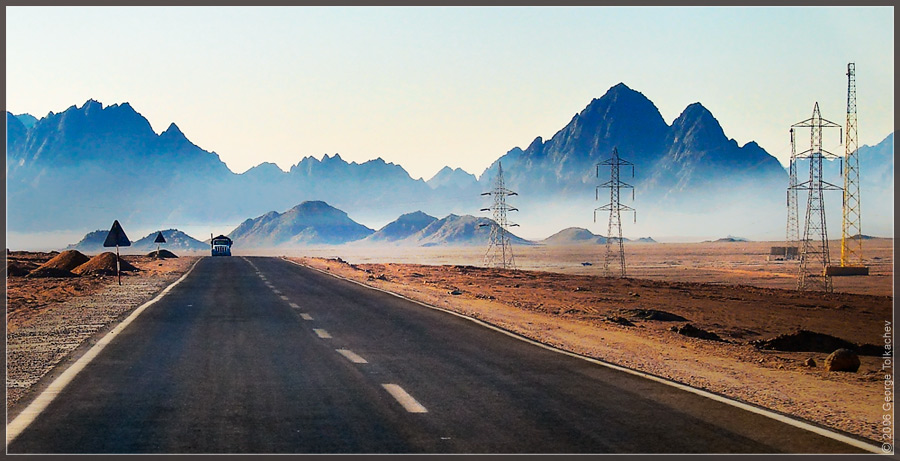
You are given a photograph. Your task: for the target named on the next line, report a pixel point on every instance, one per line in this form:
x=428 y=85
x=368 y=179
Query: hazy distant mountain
x=671 y=162
x=876 y=189
x=457 y=230
x=878 y=163
x=688 y=178
x=580 y=236
x=92 y=242
x=94 y=163
x=453 y=177
x=15 y=134
x=176 y=241
x=27 y=119
x=574 y=236
x=90 y=164
x=401 y=228
x=732 y=239
x=644 y=240
x=311 y=222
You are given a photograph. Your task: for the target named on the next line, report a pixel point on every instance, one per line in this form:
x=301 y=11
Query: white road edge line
x=322 y=333
x=719 y=398
x=305 y=316
x=408 y=402
x=351 y=356
x=31 y=412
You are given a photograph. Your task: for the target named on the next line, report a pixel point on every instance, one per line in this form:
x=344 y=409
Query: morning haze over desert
x=462 y=230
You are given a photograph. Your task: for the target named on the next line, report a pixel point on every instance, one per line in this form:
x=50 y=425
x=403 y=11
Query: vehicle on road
x=221 y=246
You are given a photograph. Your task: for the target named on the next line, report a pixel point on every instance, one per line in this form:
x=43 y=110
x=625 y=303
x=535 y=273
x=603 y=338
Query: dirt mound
x=19 y=268
x=162 y=254
x=653 y=314
x=804 y=341
x=694 y=332
x=67 y=260
x=103 y=264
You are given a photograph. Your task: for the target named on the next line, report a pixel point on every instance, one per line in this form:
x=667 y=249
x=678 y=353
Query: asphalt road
x=259 y=355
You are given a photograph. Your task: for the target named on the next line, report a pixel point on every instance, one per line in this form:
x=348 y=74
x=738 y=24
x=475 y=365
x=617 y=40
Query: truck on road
x=221 y=245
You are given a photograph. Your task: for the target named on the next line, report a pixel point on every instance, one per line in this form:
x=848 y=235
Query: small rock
x=810 y=362
x=455 y=292
x=842 y=360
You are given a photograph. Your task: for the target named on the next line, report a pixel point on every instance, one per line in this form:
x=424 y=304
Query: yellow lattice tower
x=851 y=235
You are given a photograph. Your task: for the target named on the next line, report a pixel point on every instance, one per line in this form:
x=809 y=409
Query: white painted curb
x=719 y=398
x=31 y=412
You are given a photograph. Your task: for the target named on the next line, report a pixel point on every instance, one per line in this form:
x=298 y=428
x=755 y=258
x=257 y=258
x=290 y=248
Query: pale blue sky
x=427 y=87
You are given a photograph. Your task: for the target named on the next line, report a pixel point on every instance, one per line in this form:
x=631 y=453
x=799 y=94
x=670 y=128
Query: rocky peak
x=697 y=126
x=91 y=106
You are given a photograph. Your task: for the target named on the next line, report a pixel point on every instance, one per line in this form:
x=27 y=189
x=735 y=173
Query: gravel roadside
x=36 y=349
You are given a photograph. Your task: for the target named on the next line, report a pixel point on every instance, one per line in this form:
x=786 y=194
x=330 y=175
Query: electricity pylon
x=851 y=231
x=814 y=249
x=792 y=235
x=614 y=231
x=499 y=252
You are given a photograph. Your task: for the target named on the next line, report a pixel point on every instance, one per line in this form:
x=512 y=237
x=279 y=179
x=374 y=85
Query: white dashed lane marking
x=277 y=292
x=306 y=316
x=408 y=402
x=284 y=297
x=295 y=306
x=351 y=356
x=322 y=333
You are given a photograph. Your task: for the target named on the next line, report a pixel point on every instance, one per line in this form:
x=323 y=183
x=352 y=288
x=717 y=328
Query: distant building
x=221 y=246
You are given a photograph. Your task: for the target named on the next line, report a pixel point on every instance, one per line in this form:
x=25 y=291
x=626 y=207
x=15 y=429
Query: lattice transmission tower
x=615 y=207
x=499 y=252
x=814 y=254
x=851 y=231
x=792 y=235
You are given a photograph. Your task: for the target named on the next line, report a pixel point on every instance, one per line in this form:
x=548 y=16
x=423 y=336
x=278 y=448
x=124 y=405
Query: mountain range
x=318 y=223
x=92 y=164
x=176 y=241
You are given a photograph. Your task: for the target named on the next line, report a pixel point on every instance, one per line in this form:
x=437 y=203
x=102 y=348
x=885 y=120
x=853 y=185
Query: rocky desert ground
x=718 y=316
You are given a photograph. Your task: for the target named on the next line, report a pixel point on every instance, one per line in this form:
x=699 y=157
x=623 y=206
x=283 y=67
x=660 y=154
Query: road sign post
x=116 y=237
x=159 y=239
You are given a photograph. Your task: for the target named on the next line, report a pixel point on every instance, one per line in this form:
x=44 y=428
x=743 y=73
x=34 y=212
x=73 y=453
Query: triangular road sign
x=116 y=236
x=159 y=238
